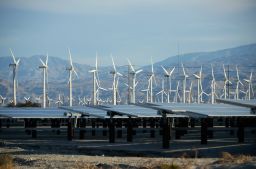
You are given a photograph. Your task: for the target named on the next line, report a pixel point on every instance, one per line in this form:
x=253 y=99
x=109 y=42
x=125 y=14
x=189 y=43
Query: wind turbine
x=27 y=99
x=150 y=81
x=237 y=83
x=2 y=99
x=226 y=82
x=168 y=75
x=162 y=92
x=213 y=87
x=184 y=83
x=115 y=82
x=177 y=95
x=95 y=92
x=71 y=70
x=250 y=89
x=14 y=66
x=44 y=66
x=133 y=74
x=198 y=77
x=59 y=102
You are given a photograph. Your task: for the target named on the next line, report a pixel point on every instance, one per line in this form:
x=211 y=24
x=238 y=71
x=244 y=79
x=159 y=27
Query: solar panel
x=32 y=113
x=87 y=111
x=136 y=111
x=243 y=103
x=204 y=110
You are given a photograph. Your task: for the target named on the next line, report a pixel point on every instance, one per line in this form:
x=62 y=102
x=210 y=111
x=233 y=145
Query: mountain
x=30 y=76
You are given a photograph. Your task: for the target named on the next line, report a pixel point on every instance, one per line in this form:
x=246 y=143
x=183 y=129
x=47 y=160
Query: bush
x=6 y=161
x=229 y=158
x=168 y=166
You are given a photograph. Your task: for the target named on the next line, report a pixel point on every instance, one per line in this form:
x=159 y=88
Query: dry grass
x=6 y=161
x=239 y=159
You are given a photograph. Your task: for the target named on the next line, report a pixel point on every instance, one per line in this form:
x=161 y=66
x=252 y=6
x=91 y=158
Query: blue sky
x=135 y=29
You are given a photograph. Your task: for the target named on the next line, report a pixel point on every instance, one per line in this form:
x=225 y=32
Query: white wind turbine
x=150 y=81
x=184 y=83
x=177 y=95
x=2 y=99
x=238 y=83
x=250 y=89
x=44 y=66
x=95 y=82
x=71 y=70
x=190 y=94
x=226 y=82
x=198 y=77
x=14 y=66
x=162 y=92
x=213 y=87
x=133 y=74
x=27 y=99
x=59 y=101
x=115 y=82
x=168 y=75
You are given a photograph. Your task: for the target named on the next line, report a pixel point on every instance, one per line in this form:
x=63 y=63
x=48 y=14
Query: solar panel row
x=236 y=109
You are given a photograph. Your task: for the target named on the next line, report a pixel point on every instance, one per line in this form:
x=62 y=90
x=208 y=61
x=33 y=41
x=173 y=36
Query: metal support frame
x=240 y=130
x=166 y=131
x=204 y=130
x=129 y=130
x=210 y=124
x=70 y=130
x=111 y=128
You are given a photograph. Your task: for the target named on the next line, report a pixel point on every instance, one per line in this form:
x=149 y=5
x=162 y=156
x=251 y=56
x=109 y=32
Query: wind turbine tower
x=168 y=75
x=250 y=89
x=198 y=77
x=44 y=66
x=115 y=82
x=184 y=83
x=14 y=66
x=94 y=72
x=71 y=69
x=133 y=74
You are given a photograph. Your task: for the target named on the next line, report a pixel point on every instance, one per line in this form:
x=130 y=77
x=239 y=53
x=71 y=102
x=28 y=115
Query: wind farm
x=127 y=84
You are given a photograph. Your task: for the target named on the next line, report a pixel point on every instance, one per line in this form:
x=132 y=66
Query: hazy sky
x=137 y=29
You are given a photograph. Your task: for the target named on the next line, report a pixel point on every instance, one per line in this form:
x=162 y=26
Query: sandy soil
x=26 y=160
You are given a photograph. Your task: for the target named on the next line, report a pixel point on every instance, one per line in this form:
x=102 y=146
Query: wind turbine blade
x=119 y=74
x=251 y=77
x=200 y=72
x=76 y=73
x=91 y=71
x=13 y=57
x=42 y=62
x=131 y=65
x=225 y=75
x=114 y=66
x=96 y=62
x=152 y=66
x=172 y=71
x=46 y=61
x=138 y=71
x=184 y=73
x=198 y=77
x=166 y=72
x=70 y=57
x=18 y=61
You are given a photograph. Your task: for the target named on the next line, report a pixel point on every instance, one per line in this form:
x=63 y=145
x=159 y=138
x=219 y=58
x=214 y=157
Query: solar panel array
x=205 y=110
x=138 y=111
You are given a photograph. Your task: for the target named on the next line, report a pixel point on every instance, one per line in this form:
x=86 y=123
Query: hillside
x=29 y=75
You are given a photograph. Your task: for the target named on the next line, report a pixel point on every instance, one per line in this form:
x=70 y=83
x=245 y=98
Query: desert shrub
x=239 y=159
x=170 y=166
x=6 y=161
